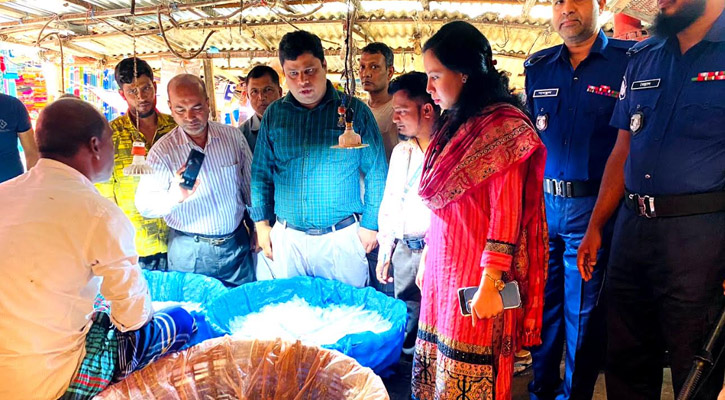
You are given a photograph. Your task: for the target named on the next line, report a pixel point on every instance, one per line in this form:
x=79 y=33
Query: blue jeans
x=572 y=317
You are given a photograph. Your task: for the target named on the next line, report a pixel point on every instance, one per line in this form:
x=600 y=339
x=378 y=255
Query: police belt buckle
x=645 y=206
x=559 y=187
x=564 y=188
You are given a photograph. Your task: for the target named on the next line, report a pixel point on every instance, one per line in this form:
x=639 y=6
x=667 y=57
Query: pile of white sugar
x=298 y=320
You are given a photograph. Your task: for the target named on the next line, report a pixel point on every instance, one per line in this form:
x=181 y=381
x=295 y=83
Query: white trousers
x=337 y=255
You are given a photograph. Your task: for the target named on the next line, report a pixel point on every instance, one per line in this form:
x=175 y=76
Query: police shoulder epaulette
x=540 y=55
x=621 y=44
x=638 y=47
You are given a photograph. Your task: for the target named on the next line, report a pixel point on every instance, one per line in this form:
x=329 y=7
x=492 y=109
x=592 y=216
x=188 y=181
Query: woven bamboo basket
x=225 y=368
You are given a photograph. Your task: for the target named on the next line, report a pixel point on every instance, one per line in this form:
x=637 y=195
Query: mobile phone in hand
x=193 y=166
x=510 y=295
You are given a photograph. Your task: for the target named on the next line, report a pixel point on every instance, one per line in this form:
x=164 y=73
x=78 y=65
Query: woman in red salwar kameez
x=482 y=180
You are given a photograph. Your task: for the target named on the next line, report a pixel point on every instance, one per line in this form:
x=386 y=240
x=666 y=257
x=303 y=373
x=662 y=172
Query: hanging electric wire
x=138 y=164
x=171 y=48
x=349 y=139
x=41 y=38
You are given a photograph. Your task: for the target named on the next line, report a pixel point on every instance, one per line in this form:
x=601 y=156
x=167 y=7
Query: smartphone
x=193 y=166
x=510 y=295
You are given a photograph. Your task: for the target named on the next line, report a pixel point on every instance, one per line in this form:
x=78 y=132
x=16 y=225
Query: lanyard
x=410 y=182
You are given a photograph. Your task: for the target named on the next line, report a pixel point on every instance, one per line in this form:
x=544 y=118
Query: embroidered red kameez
x=485 y=191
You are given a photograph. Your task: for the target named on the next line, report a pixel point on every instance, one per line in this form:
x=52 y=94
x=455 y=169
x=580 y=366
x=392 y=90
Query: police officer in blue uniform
x=571 y=92
x=667 y=260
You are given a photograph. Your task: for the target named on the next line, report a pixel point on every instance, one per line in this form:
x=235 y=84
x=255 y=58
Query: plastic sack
x=379 y=351
x=225 y=368
x=188 y=287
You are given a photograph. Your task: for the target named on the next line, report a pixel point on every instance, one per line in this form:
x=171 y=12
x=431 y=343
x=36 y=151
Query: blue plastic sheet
x=378 y=351
x=188 y=287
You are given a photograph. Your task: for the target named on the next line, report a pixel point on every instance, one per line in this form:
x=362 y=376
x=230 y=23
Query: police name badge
x=542 y=122
x=553 y=92
x=646 y=84
x=636 y=122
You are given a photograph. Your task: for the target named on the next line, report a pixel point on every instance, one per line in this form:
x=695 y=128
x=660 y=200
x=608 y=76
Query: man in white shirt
x=208 y=234
x=262 y=89
x=403 y=218
x=62 y=243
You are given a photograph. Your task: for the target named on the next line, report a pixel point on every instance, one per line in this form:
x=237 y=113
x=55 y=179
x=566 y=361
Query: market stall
x=57 y=47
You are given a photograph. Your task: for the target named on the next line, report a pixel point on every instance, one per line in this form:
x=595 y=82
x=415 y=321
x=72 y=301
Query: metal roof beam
x=248 y=54
x=13 y=13
x=141 y=11
x=362 y=20
x=117 y=12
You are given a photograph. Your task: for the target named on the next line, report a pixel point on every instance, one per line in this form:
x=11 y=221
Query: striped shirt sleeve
x=153 y=197
x=505 y=192
x=246 y=166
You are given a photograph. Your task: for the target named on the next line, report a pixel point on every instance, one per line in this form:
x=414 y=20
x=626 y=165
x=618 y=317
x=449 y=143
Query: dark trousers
x=232 y=262
x=573 y=316
x=387 y=288
x=664 y=289
x=406 y=262
x=154 y=262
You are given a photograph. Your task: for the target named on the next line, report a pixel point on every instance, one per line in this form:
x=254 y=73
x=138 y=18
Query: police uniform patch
x=623 y=89
x=709 y=76
x=602 y=90
x=542 y=122
x=636 y=122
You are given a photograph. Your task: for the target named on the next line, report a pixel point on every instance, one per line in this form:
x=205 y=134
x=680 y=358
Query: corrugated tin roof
x=252 y=36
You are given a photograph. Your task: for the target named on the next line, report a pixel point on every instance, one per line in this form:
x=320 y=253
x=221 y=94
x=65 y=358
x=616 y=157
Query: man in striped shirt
x=207 y=230
x=323 y=227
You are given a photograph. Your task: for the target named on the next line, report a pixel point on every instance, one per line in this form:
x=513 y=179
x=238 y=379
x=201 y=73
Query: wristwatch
x=497 y=283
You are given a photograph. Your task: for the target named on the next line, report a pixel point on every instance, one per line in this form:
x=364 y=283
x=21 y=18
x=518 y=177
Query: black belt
x=557 y=187
x=414 y=243
x=214 y=240
x=674 y=206
x=322 y=231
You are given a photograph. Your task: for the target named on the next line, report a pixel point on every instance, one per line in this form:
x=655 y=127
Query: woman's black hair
x=461 y=47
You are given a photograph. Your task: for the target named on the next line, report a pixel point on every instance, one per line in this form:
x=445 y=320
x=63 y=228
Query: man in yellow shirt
x=141 y=123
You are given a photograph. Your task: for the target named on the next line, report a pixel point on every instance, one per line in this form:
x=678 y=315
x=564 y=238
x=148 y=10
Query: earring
x=465 y=78
x=98 y=157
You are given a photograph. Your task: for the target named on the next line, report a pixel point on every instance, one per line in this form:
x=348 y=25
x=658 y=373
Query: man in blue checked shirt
x=323 y=227
x=571 y=91
x=667 y=263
